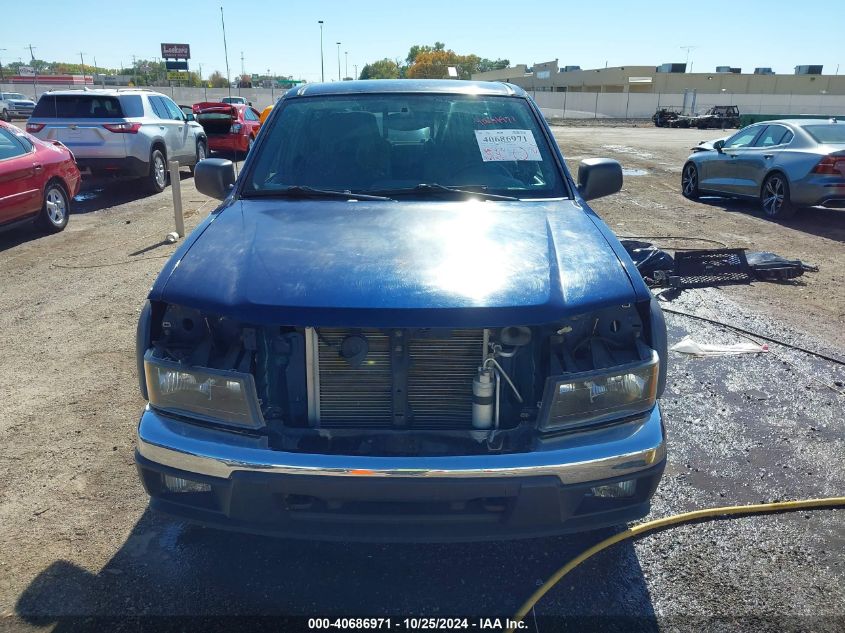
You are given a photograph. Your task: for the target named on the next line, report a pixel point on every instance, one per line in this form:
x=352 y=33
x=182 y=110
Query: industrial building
x=635 y=91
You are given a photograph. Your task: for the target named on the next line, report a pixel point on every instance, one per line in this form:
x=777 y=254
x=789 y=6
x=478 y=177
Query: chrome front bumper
x=616 y=451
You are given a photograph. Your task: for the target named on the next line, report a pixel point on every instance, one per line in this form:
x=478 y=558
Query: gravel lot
x=76 y=538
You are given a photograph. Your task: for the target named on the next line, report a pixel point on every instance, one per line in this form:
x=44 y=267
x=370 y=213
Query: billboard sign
x=176 y=51
x=177 y=75
x=176 y=65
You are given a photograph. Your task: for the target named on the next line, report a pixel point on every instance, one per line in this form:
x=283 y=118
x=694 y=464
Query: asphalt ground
x=80 y=551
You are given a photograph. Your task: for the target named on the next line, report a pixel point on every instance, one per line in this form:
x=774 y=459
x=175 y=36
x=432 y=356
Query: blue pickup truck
x=403 y=322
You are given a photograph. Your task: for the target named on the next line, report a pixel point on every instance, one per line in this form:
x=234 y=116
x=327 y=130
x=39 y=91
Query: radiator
x=428 y=375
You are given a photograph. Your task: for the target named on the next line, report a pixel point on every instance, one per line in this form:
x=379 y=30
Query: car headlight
x=227 y=397
x=593 y=397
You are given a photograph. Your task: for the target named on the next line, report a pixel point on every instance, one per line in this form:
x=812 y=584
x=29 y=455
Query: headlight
x=228 y=397
x=593 y=397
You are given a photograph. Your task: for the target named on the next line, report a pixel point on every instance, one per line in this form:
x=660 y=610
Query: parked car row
x=127 y=133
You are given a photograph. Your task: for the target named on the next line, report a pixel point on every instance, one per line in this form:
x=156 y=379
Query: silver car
x=784 y=164
x=130 y=133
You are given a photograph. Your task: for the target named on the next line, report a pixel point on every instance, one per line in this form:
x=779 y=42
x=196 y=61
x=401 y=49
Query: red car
x=230 y=127
x=38 y=179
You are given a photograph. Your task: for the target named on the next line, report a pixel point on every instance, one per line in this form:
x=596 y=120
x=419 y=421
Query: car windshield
x=392 y=144
x=830 y=133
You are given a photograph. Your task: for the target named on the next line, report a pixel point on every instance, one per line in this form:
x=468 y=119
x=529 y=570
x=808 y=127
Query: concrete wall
x=573 y=104
x=579 y=105
x=260 y=97
x=619 y=78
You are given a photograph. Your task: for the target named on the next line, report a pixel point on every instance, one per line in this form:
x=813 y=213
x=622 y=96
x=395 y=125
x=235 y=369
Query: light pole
x=346 y=64
x=82 y=59
x=355 y=66
x=226 y=53
x=688 y=49
x=322 y=65
x=338 y=61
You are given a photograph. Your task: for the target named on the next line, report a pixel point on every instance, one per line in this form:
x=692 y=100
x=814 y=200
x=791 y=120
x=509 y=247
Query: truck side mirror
x=215 y=177
x=598 y=177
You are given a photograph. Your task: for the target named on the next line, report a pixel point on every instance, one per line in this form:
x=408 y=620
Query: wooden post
x=176 y=187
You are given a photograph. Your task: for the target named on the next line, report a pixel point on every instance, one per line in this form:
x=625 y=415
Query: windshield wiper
x=298 y=191
x=437 y=188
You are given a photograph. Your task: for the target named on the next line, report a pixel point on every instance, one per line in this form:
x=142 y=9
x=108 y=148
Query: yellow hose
x=687 y=517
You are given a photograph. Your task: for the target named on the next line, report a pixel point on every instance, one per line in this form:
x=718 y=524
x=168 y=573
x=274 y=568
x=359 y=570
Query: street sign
x=174 y=65
x=177 y=75
x=26 y=71
x=176 y=51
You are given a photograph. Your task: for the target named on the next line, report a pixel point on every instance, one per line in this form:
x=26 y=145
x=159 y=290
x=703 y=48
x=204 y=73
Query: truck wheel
x=689 y=182
x=202 y=154
x=774 y=198
x=54 y=214
x=157 y=178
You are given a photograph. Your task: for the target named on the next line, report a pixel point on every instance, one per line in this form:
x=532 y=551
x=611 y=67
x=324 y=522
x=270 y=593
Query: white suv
x=130 y=133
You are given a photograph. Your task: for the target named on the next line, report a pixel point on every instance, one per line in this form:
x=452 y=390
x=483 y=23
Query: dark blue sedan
x=402 y=323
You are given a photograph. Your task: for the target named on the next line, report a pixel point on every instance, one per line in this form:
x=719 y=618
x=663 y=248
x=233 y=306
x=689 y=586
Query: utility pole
x=2 y=78
x=355 y=66
x=338 y=61
x=82 y=59
x=322 y=65
x=134 y=72
x=346 y=65
x=226 y=52
x=35 y=72
x=688 y=49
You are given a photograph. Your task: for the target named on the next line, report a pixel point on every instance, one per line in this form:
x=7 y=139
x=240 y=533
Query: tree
x=416 y=49
x=217 y=80
x=434 y=64
x=382 y=69
x=492 y=64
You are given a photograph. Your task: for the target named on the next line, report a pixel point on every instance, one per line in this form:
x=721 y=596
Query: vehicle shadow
x=102 y=193
x=820 y=221
x=166 y=568
x=26 y=232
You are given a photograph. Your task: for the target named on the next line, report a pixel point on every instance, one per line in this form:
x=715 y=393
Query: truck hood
x=401 y=264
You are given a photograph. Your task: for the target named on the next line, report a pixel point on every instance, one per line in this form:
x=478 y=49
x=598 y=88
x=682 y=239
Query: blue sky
x=284 y=36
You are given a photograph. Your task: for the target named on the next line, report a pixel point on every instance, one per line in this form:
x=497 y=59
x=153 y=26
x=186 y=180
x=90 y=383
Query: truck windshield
x=395 y=143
